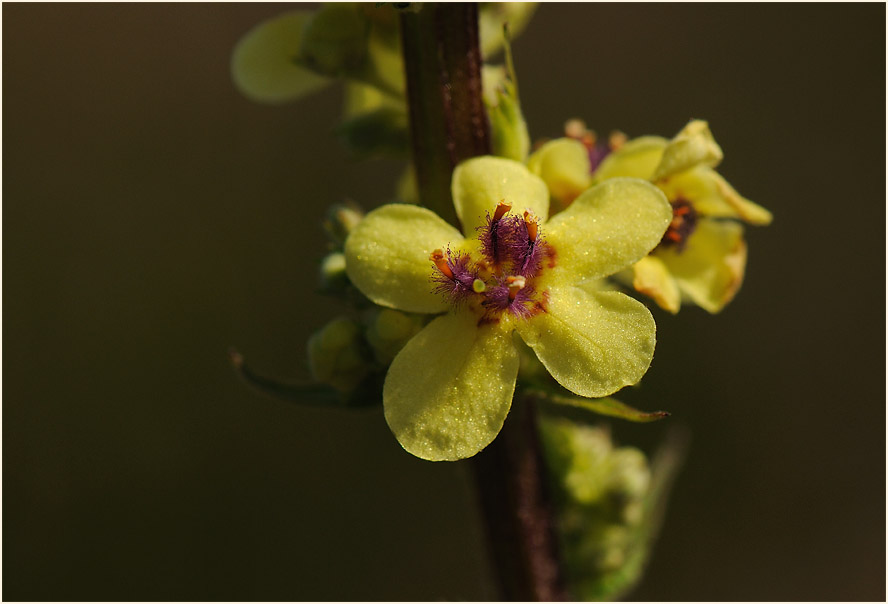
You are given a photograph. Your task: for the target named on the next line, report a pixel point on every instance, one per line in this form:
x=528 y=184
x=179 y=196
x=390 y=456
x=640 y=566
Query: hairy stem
x=448 y=124
x=442 y=60
x=515 y=500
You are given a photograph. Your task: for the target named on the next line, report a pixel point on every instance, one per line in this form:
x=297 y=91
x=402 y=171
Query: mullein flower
x=448 y=391
x=702 y=257
x=566 y=164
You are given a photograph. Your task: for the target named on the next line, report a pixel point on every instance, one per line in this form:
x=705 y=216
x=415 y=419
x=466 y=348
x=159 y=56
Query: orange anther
x=616 y=140
x=438 y=258
x=532 y=222
x=501 y=208
x=516 y=284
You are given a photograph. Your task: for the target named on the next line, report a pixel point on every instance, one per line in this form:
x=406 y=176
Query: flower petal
x=711 y=195
x=263 y=62
x=593 y=343
x=387 y=256
x=693 y=146
x=607 y=228
x=563 y=164
x=651 y=277
x=637 y=158
x=450 y=388
x=482 y=182
x=710 y=269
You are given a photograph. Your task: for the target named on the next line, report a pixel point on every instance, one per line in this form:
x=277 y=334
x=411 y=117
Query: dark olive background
x=153 y=217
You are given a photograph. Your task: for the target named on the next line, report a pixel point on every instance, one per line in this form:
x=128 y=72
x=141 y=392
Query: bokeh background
x=152 y=217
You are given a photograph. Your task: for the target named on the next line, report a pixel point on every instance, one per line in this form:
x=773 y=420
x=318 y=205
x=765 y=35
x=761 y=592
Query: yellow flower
x=450 y=388
x=702 y=257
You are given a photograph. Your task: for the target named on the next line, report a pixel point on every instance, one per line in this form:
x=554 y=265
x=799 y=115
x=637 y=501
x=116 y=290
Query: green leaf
x=311 y=394
x=604 y=406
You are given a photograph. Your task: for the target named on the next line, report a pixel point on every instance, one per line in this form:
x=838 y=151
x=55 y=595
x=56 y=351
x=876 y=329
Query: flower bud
x=630 y=475
x=336 y=354
x=388 y=332
x=508 y=130
x=332 y=273
x=341 y=219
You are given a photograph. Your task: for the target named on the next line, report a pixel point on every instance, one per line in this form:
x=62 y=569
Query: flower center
x=684 y=222
x=498 y=278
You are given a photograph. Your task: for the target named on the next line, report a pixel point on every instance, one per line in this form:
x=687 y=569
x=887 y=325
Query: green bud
x=508 y=130
x=336 y=354
x=612 y=541
x=341 y=219
x=630 y=475
x=332 y=273
x=389 y=330
x=334 y=41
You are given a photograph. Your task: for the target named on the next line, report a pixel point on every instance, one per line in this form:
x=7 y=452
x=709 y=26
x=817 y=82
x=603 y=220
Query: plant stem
x=448 y=124
x=442 y=60
x=512 y=485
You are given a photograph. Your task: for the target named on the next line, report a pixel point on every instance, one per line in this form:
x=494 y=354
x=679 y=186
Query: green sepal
x=608 y=406
x=508 y=130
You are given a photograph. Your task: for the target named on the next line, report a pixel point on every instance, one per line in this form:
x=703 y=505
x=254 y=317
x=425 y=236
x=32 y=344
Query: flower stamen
x=532 y=222
x=515 y=284
x=501 y=209
x=441 y=263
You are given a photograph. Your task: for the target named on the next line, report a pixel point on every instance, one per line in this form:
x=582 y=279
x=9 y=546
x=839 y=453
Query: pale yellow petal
x=710 y=269
x=607 y=228
x=387 y=256
x=711 y=195
x=652 y=278
x=693 y=146
x=593 y=343
x=563 y=164
x=450 y=388
x=637 y=158
x=479 y=184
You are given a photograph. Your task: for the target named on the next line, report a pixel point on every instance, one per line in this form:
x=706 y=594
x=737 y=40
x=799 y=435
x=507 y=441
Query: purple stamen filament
x=512 y=253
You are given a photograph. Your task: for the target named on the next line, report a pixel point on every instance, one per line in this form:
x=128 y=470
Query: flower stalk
x=442 y=61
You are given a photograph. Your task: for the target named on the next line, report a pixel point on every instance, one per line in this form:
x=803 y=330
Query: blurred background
x=152 y=217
